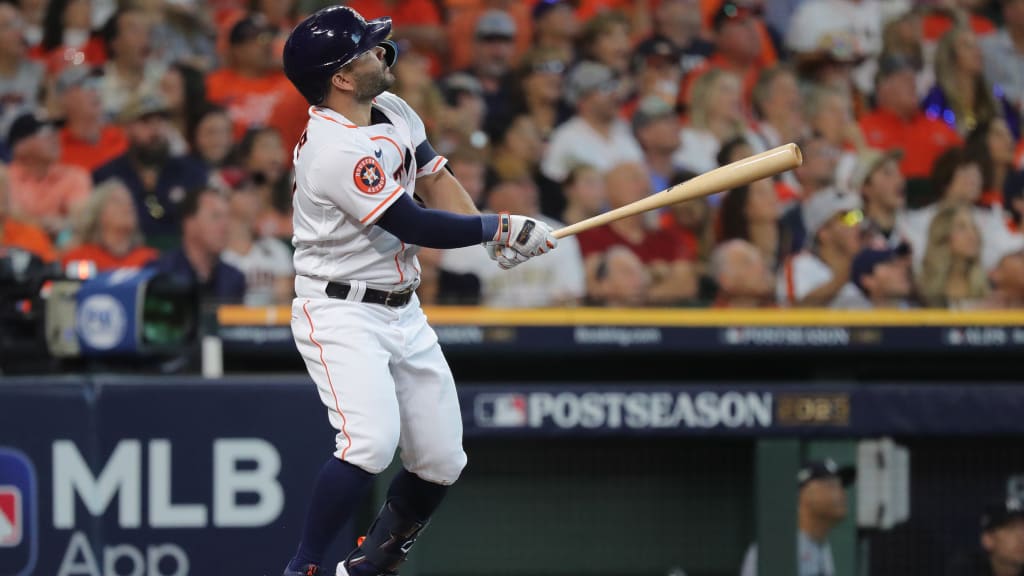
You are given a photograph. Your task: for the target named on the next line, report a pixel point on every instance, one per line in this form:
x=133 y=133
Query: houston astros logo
x=368 y=176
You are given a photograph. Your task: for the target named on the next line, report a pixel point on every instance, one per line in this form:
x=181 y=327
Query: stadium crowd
x=159 y=132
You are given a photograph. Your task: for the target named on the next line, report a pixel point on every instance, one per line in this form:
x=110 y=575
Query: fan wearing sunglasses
x=819 y=276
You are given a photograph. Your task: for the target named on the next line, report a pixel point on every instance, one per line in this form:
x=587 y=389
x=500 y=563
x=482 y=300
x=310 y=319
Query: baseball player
x=364 y=171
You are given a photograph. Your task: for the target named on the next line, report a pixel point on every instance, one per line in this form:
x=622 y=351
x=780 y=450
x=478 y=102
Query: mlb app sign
x=17 y=514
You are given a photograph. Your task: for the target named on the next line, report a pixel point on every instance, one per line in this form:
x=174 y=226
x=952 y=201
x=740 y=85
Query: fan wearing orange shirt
x=107 y=231
x=250 y=87
x=17 y=234
x=87 y=140
x=737 y=49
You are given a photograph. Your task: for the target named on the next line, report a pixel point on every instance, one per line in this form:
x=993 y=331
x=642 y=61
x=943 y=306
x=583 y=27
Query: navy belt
x=396 y=299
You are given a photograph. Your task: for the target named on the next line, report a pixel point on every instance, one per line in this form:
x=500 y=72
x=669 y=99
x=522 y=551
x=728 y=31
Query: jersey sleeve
x=354 y=180
x=428 y=161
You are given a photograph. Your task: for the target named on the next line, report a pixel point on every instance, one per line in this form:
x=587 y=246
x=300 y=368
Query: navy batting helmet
x=328 y=40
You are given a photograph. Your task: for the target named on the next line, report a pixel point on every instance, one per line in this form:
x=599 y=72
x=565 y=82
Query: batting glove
x=527 y=236
x=505 y=257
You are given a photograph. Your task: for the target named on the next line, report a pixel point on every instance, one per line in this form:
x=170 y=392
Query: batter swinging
x=356 y=319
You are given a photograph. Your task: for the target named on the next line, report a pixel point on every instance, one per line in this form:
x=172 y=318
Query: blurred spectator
x=1004 y=53
x=691 y=226
x=440 y=287
x=493 y=57
x=34 y=14
x=1002 y=543
x=182 y=32
x=1007 y=278
x=830 y=114
x=541 y=282
x=751 y=213
x=21 y=79
x=596 y=135
x=414 y=85
x=204 y=236
x=878 y=180
x=209 y=139
x=43 y=190
x=518 y=148
x=814 y=176
x=87 y=139
x=463 y=17
x=819 y=276
x=962 y=97
x=463 y=120
x=469 y=165
x=129 y=69
x=952 y=275
x=673 y=278
x=741 y=276
x=67 y=37
x=107 y=231
x=991 y=145
x=821 y=505
x=16 y=233
x=555 y=28
x=944 y=15
x=883 y=276
x=183 y=89
x=715 y=116
x=657 y=74
x=656 y=128
x=251 y=85
x=842 y=30
x=158 y=182
x=283 y=15
x=737 y=51
x=778 y=107
x=619 y=279
x=537 y=90
x=678 y=22
x=265 y=262
x=585 y=194
x=898 y=122
x=605 y=40
x=262 y=156
x=902 y=37
x=416 y=22
x=959 y=179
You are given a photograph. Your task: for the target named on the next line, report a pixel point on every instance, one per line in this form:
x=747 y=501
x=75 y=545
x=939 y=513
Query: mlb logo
x=18 y=510
x=10 y=516
x=501 y=410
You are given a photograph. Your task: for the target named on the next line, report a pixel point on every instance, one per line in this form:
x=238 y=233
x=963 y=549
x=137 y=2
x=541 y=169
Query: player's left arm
x=442 y=191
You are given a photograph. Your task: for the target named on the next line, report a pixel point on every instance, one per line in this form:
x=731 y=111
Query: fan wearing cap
x=251 y=85
x=492 y=60
x=20 y=78
x=821 y=505
x=737 y=48
x=1002 y=543
x=42 y=189
x=555 y=28
x=819 y=276
x=158 y=181
x=848 y=30
x=877 y=178
x=656 y=127
x=899 y=123
x=596 y=135
x=883 y=276
x=678 y=23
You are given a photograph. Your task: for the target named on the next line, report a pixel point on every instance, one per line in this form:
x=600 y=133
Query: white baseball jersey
x=346 y=177
x=267 y=260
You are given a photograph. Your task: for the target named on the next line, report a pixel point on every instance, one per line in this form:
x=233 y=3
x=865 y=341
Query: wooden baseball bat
x=734 y=175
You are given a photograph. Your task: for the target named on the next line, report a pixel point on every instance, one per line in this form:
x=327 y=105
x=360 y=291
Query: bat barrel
x=733 y=175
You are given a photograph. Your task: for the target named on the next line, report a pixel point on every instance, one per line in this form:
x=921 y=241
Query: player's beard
x=371 y=84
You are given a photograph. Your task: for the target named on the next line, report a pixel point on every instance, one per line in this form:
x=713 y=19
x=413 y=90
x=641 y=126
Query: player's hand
x=505 y=257
x=527 y=236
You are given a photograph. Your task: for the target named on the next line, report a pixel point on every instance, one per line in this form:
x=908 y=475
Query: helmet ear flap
x=390 y=52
